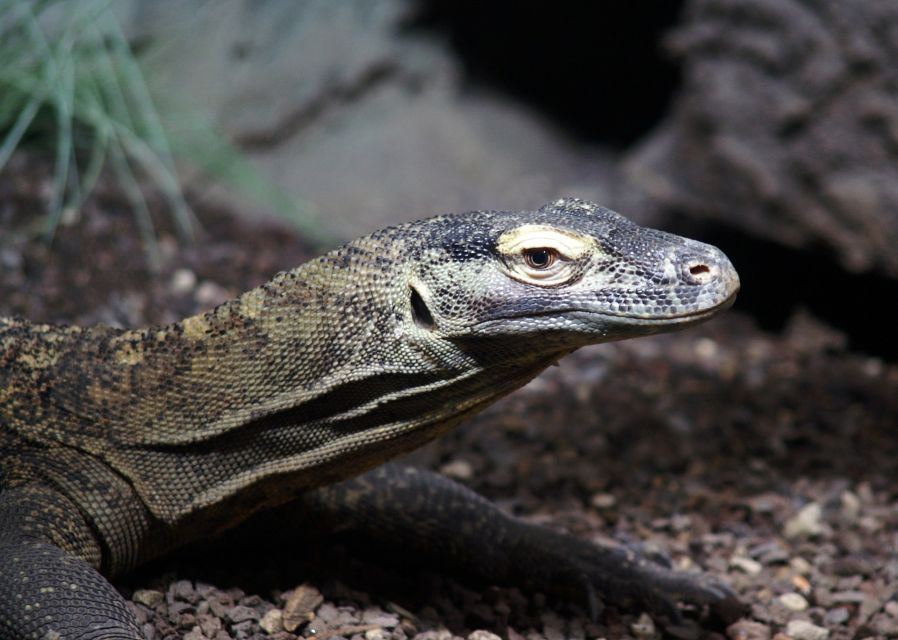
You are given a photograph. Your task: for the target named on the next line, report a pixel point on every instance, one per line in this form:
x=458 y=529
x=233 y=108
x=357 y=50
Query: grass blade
x=131 y=188
x=69 y=81
x=12 y=139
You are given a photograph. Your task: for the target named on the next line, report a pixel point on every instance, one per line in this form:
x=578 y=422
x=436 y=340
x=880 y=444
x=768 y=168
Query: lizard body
x=117 y=445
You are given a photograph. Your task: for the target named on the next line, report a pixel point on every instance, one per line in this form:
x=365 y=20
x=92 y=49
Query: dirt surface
x=767 y=459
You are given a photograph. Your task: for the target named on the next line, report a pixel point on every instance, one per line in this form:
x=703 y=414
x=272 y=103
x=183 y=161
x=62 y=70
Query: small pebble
x=644 y=628
x=793 y=601
x=603 y=500
x=272 y=621
x=706 y=349
x=241 y=613
x=380 y=618
x=10 y=258
x=210 y=626
x=836 y=616
x=140 y=612
x=808 y=522
x=800 y=565
x=186 y=621
x=147 y=597
x=770 y=553
x=177 y=608
x=458 y=469
x=802 y=584
x=301 y=605
x=869 y=524
x=251 y=601
x=375 y=634
x=850 y=506
x=241 y=630
x=70 y=216
x=892 y=608
x=183 y=281
x=482 y=634
x=183 y=590
x=804 y=630
x=748 y=630
x=884 y=627
x=746 y=565
x=218 y=607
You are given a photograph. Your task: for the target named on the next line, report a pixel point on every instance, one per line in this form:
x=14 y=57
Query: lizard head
x=570 y=274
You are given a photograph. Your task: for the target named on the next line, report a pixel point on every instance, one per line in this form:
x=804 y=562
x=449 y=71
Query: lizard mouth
x=693 y=314
x=641 y=318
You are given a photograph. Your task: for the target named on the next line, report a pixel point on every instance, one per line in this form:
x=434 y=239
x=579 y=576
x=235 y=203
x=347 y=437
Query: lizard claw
x=598 y=575
x=669 y=586
x=594 y=606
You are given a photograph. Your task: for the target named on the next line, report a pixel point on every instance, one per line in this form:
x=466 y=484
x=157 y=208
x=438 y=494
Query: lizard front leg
x=433 y=516
x=49 y=584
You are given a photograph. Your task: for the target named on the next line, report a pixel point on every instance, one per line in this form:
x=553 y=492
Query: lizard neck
x=315 y=375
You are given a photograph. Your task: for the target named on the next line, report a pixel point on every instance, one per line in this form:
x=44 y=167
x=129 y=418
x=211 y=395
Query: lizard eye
x=540 y=258
x=542 y=255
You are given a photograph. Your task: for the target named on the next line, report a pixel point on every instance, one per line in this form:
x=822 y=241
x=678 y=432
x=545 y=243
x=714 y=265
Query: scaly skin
x=117 y=445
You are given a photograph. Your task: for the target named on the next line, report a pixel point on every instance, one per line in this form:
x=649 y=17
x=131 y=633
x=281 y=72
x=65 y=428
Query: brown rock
x=301 y=606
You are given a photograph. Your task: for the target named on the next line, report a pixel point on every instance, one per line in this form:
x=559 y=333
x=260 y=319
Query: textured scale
x=162 y=434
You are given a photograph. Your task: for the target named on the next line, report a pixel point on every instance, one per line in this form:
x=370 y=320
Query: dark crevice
x=420 y=312
x=597 y=68
x=778 y=280
x=298 y=120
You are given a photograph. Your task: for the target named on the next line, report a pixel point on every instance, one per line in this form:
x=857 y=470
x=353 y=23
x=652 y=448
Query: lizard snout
x=709 y=267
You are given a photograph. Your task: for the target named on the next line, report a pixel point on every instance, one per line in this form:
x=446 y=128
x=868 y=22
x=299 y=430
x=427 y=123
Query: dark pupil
x=539 y=258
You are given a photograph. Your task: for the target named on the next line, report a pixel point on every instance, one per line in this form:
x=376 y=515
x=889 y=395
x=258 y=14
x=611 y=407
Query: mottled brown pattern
x=162 y=434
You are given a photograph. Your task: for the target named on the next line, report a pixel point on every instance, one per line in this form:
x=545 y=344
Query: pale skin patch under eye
x=541 y=254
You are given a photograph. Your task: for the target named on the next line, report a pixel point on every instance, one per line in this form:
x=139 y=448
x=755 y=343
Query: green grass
x=70 y=83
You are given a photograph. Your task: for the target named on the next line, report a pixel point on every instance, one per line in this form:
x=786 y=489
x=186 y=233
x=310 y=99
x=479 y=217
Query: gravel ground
x=767 y=459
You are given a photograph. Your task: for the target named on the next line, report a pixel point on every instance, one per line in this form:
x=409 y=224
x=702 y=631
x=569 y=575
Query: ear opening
x=420 y=313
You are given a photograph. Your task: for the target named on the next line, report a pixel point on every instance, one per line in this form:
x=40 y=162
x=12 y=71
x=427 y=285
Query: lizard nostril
x=699 y=268
x=700 y=273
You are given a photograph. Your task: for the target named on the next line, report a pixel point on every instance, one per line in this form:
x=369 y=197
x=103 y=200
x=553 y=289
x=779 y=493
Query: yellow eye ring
x=543 y=255
x=540 y=258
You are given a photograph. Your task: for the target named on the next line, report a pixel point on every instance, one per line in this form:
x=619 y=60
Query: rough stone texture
x=786 y=125
x=366 y=121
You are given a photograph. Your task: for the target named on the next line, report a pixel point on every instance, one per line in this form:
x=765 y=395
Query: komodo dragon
x=118 y=445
